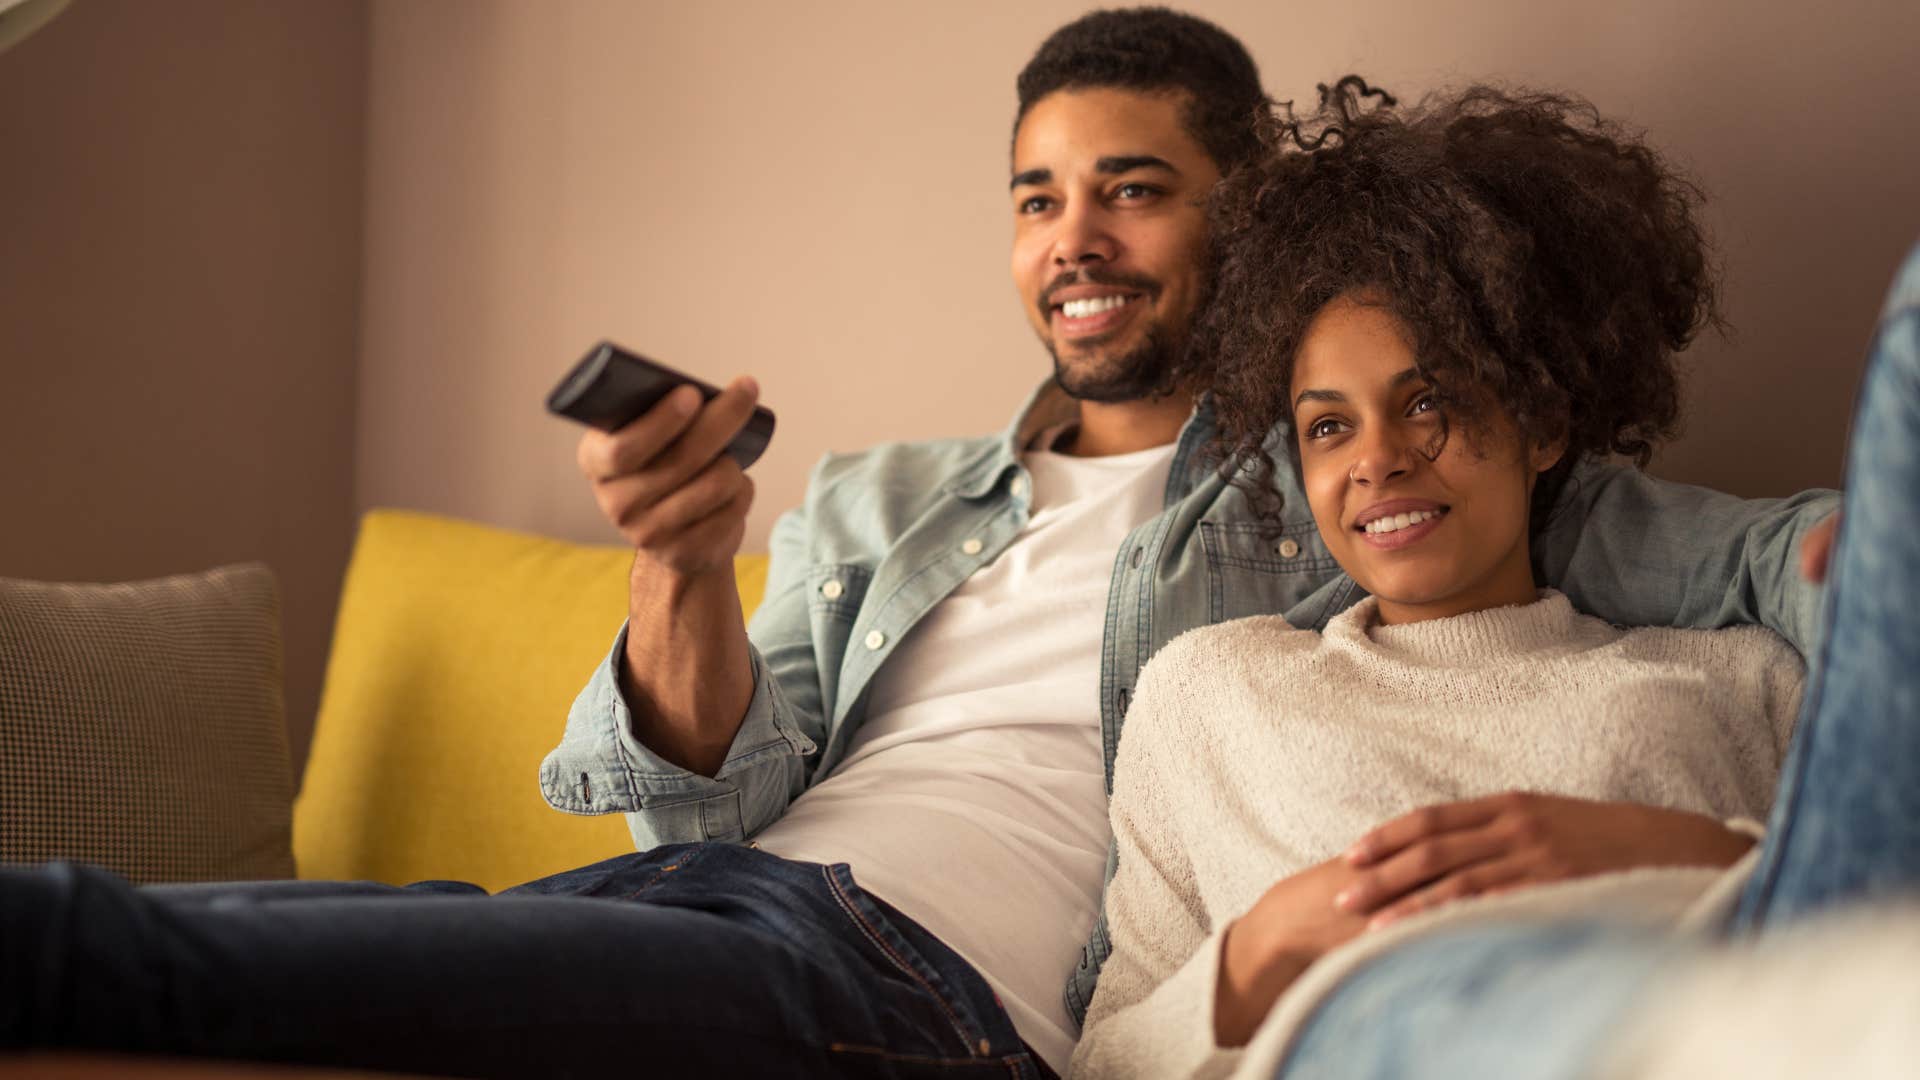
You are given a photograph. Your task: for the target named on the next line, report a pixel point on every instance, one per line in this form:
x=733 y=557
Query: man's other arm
x=1640 y=551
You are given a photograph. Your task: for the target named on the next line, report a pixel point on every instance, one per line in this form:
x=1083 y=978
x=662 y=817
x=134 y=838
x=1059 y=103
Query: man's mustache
x=1108 y=278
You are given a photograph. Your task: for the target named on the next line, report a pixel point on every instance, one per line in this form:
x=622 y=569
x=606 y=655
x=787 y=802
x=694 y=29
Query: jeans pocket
x=891 y=938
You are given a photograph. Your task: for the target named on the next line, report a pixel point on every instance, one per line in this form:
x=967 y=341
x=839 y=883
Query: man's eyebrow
x=1106 y=166
x=1030 y=177
x=1129 y=162
x=1398 y=381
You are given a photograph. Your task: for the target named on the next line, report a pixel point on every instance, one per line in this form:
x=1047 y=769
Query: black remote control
x=610 y=387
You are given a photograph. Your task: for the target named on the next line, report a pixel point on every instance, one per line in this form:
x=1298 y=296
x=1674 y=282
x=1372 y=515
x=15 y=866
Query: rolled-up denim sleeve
x=601 y=767
x=1640 y=551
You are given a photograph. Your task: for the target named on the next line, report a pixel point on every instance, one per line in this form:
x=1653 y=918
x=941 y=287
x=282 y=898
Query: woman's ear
x=1545 y=455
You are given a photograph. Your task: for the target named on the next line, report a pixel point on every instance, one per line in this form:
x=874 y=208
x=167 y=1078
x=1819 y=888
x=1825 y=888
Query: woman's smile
x=1399 y=523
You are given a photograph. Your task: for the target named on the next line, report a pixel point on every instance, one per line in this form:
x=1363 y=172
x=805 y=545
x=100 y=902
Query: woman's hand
x=1504 y=842
x=1293 y=924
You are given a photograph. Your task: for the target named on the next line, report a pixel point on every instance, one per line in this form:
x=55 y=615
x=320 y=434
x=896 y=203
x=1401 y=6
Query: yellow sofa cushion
x=457 y=652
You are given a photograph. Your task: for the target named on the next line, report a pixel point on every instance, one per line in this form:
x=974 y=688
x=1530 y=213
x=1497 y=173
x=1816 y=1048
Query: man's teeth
x=1080 y=309
x=1396 y=522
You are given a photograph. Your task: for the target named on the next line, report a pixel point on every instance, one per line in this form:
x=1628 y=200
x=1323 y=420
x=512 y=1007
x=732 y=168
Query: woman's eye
x=1323 y=427
x=1423 y=403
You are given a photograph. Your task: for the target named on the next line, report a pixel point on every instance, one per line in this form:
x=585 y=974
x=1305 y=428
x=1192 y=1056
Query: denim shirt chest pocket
x=1254 y=570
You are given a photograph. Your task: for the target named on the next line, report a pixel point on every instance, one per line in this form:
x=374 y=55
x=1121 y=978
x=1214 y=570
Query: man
x=872 y=832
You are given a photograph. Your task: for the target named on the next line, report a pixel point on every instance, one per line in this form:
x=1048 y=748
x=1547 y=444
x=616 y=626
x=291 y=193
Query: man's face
x=1109 y=233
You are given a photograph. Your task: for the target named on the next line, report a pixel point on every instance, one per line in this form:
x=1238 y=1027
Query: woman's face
x=1429 y=535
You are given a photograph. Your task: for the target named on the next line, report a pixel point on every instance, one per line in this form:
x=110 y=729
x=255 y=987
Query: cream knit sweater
x=1254 y=750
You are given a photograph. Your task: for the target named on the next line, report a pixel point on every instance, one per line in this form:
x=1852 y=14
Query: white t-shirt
x=972 y=798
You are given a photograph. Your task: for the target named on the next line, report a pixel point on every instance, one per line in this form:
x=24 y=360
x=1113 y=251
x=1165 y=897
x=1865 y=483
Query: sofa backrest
x=457 y=652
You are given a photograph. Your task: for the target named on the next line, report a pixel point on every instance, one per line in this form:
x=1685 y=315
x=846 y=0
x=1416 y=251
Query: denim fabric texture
x=690 y=960
x=1846 y=824
x=1541 y=1000
x=878 y=542
x=1525 y=1001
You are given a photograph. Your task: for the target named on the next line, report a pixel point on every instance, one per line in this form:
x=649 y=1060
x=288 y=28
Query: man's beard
x=1146 y=371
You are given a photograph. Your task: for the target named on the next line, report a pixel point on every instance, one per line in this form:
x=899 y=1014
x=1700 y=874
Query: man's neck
x=1122 y=427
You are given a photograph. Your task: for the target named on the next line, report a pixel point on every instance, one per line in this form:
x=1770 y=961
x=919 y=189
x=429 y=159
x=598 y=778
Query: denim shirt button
x=875 y=640
x=971 y=546
x=1289 y=548
x=1018 y=487
x=832 y=590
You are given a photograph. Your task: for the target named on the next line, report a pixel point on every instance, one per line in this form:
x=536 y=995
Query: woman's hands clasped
x=1503 y=842
x=1436 y=855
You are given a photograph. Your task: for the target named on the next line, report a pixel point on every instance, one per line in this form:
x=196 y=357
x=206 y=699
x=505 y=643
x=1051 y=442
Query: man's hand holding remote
x=665 y=482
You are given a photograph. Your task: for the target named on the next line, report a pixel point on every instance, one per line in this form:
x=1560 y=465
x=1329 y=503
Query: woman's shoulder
x=1210 y=664
x=1239 y=644
x=1227 y=669
x=1726 y=648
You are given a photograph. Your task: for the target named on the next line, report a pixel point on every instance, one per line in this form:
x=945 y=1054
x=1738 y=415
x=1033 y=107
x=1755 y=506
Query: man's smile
x=1082 y=311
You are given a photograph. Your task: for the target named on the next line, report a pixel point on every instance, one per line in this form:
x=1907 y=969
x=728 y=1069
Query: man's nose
x=1083 y=238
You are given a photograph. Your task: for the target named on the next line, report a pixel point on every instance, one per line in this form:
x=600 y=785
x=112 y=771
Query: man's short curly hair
x=1154 y=49
x=1544 y=262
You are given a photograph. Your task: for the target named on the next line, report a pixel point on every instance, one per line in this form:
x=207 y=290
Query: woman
x=1451 y=308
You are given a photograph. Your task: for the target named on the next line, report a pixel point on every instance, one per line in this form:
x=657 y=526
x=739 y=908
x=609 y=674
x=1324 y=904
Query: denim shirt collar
x=1049 y=406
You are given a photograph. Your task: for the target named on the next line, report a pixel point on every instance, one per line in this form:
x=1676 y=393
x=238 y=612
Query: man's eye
x=1033 y=204
x=1133 y=192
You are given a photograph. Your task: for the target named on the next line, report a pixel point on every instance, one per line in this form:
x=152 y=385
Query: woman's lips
x=1399 y=538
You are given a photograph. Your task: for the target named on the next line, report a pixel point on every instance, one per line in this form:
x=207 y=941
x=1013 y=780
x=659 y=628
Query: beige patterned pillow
x=142 y=726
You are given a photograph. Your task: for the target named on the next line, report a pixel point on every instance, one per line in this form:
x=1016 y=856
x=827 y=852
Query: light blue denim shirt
x=882 y=537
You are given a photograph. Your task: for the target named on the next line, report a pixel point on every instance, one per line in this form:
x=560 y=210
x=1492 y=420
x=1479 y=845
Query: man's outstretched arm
x=681 y=727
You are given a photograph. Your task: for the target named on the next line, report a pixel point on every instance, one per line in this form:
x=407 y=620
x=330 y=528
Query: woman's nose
x=1382 y=454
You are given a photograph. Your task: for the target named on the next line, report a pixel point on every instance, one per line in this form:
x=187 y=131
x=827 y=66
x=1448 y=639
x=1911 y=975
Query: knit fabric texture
x=142 y=727
x=1254 y=751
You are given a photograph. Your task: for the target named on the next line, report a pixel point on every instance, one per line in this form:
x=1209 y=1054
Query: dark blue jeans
x=688 y=960
x=1542 y=1001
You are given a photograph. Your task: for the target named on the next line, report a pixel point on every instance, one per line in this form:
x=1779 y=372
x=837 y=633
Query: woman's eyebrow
x=1399 y=380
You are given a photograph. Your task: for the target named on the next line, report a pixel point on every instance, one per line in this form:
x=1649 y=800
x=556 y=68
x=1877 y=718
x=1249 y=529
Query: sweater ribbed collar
x=1471 y=640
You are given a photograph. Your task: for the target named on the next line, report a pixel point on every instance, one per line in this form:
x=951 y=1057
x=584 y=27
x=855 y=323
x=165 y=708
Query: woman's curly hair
x=1545 y=263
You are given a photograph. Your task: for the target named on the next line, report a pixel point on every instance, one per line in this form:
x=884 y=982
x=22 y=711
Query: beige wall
x=814 y=193
x=179 y=264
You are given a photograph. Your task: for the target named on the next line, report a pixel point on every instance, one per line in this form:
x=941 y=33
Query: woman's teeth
x=1396 y=522
x=1080 y=309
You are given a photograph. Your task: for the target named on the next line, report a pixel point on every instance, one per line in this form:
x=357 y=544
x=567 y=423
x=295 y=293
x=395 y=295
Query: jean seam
x=1010 y=1062
x=872 y=935
x=693 y=852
